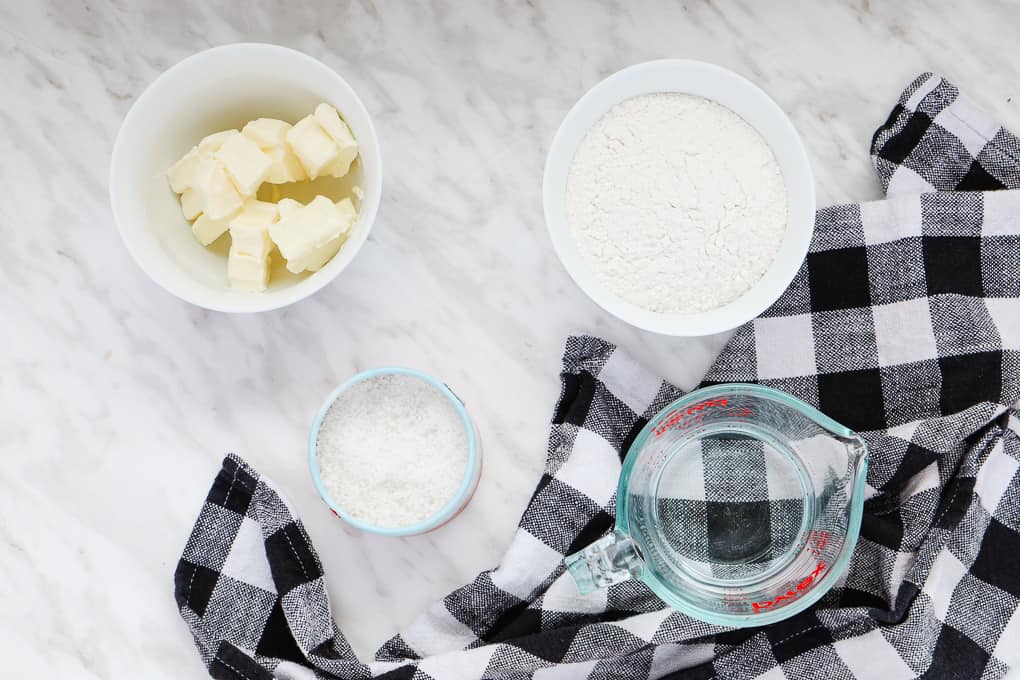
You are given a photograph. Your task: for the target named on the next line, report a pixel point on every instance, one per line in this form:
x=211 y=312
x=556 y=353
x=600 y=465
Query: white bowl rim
x=255 y=302
x=800 y=226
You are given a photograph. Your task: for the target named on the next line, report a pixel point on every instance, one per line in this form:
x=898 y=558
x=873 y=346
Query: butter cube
x=207 y=230
x=313 y=147
x=185 y=173
x=315 y=260
x=247 y=165
x=309 y=235
x=288 y=206
x=192 y=203
x=256 y=214
x=250 y=246
x=285 y=166
x=323 y=254
x=247 y=272
x=348 y=213
x=182 y=174
x=212 y=194
x=220 y=196
x=330 y=121
x=211 y=144
x=271 y=136
x=268 y=133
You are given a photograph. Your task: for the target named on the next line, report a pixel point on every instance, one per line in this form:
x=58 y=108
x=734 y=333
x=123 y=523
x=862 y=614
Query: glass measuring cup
x=737 y=504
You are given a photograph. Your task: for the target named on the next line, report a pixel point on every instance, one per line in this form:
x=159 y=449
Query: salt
x=392 y=451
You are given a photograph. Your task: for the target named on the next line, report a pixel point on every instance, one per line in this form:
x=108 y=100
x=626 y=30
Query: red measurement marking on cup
x=791 y=594
x=814 y=543
x=676 y=416
x=683 y=419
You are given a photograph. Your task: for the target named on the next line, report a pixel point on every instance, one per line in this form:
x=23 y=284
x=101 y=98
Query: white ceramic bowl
x=740 y=96
x=219 y=89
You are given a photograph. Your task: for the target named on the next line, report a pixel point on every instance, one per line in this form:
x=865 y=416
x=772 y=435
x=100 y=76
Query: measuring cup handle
x=611 y=559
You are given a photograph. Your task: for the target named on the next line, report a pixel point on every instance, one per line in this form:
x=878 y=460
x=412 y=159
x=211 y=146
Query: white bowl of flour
x=679 y=197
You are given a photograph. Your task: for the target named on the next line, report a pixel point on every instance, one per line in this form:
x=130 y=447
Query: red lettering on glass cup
x=791 y=594
x=692 y=415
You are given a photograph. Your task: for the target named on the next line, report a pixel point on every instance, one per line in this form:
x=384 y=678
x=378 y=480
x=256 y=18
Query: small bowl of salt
x=394 y=452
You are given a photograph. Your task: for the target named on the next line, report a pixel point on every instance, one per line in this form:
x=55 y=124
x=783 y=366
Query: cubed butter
x=285 y=166
x=348 y=214
x=207 y=230
x=313 y=147
x=268 y=133
x=247 y=165
x=220 y=195
x=182 y=174
x=192 y=203
x=193 y=200
x=250 y=246
x=329 y=119
x=305 y=233
x=258 y=214
x=341 y=166
x=315 y=260
x=271 y=136
x=217 y=181
x=212 y=193
x=247 y=272
x=212 y=143
x=288 y=206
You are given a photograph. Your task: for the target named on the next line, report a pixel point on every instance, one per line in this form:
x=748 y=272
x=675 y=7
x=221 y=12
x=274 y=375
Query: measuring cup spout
x=858 y=450
x=611 y=559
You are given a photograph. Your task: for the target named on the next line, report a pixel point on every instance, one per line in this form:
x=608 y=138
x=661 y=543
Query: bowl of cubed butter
x=246 y=177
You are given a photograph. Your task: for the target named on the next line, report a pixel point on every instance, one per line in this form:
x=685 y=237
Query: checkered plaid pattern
x=903 y=323
x=250 y=586
x=935 y=140
x=731 y=510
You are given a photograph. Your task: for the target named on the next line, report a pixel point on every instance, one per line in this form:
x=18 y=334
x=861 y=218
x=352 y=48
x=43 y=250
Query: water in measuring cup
x=732 y=506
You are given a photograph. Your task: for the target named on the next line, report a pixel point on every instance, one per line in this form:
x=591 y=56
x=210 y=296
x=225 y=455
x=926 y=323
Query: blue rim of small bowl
x=451 y=507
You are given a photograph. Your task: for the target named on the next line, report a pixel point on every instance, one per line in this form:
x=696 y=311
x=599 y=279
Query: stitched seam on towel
x=236 y=672
x=941 y=98
x=307 y=539
x=952 y=499
x=231 y=487
x=988 y=141
x=952 y=502
x=798 y=633
x=296 y=556
x=191 y=581
x=835 y=632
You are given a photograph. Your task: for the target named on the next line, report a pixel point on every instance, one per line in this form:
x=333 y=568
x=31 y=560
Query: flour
x=677 y=205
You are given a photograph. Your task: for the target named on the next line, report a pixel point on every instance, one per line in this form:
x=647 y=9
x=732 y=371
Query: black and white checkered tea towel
x=903 y=323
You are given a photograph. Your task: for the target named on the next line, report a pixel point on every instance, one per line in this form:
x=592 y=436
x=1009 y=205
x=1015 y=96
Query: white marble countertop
x=119 y=400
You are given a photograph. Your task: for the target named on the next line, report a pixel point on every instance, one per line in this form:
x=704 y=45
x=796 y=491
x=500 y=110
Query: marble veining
x=119 y=400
